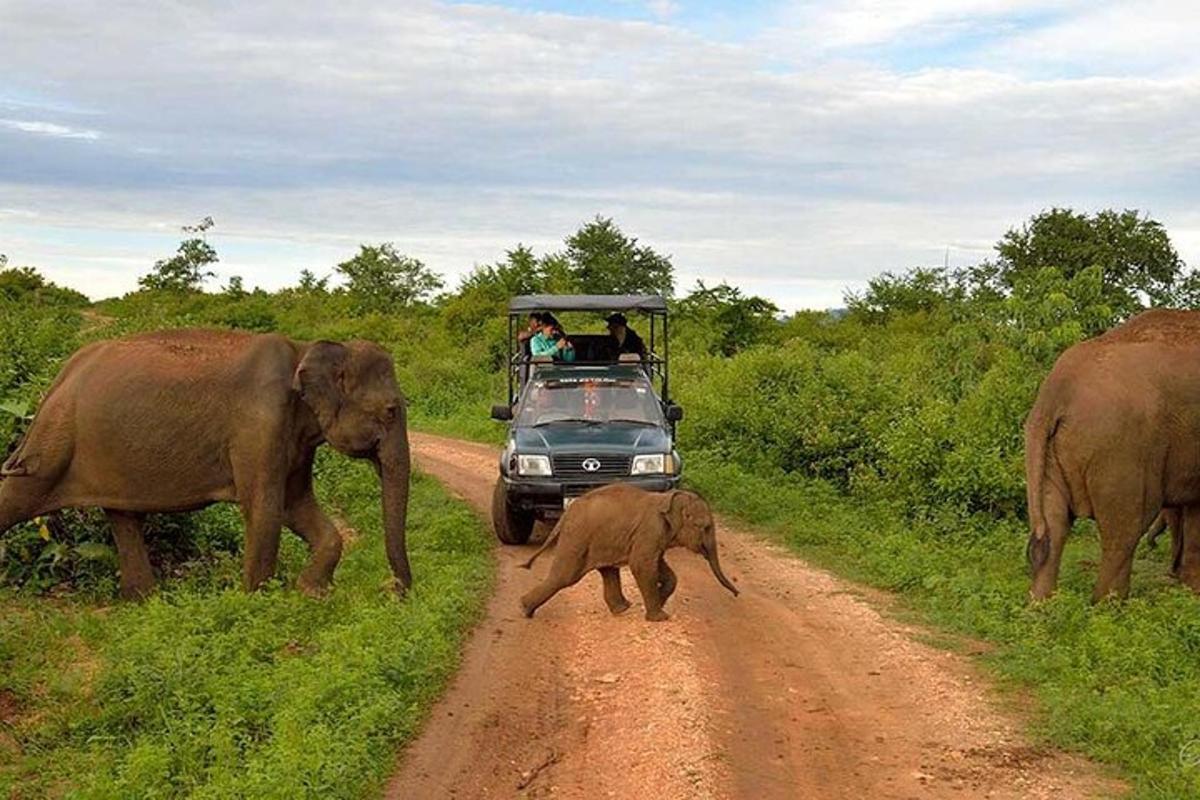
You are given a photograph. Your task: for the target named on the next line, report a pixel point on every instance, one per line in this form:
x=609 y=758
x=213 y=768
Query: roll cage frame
x=651 y=307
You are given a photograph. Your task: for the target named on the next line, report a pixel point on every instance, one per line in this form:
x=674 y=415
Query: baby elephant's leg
x=666 y=580
x=613 y=596
x=555 y=582
x=645 y=572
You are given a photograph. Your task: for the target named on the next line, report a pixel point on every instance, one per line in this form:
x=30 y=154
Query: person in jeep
x=552 y=341
x=624 y=338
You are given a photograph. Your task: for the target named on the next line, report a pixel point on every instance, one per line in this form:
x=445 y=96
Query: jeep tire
x=512 y=525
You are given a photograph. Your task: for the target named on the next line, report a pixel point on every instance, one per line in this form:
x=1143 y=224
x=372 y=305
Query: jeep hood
x=610 y=437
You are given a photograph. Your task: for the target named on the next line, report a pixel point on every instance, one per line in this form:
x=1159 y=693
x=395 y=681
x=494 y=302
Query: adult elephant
x=176 y=420
x=1115 y=435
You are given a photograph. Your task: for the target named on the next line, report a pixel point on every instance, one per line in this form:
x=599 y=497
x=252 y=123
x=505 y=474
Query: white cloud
x=663 y=9
x=833 y=24
x=1112 y=38
x=49 y=129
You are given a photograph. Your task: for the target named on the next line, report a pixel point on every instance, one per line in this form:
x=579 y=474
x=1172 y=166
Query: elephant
x=1114 y=435
x=1169 y=518
x=176 y=420
x=618 y=525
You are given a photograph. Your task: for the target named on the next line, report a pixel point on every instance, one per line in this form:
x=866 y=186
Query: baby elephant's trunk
x=711 y=554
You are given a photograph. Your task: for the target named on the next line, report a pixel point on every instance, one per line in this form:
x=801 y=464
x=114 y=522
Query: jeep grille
x=571 y=465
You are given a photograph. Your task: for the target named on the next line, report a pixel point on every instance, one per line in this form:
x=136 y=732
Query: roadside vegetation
x=882 y=441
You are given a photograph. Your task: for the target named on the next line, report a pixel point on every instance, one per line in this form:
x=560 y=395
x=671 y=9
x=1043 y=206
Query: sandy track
x=798 y=688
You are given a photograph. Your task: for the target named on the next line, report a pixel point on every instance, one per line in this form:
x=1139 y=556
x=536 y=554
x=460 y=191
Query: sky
x=792 y=148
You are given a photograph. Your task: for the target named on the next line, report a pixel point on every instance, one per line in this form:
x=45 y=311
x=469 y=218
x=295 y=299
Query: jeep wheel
x=512 y=525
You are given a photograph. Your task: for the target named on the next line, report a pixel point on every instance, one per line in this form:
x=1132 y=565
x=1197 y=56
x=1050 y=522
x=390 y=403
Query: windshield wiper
x=566 y=419
x=635 y=421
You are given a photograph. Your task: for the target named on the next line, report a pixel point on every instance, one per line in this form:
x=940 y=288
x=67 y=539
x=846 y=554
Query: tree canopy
x=187 y=270
x=1139 y=265
x=603 y=260
x=380 y=279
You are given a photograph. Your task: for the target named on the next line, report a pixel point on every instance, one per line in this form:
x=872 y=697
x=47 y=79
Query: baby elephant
x=621 y=524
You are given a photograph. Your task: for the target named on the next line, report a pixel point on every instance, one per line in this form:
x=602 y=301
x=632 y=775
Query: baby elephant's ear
x=666 y=501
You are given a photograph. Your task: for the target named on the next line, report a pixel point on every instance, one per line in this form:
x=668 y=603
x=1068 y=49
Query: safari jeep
x=577 y=425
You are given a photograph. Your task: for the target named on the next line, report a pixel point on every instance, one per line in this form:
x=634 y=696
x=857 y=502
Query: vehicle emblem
x=590 y=464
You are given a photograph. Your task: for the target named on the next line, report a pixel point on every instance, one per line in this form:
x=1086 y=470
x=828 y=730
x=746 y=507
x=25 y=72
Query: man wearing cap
x=624 y=338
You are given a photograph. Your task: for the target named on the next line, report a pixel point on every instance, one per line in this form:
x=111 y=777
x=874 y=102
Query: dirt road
x=798 y=688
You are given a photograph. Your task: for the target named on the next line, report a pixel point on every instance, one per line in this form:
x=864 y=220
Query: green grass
x=206 y=692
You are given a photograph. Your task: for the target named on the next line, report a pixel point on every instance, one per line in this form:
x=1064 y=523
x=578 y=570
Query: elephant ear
x=320 y=379
x=670 y=506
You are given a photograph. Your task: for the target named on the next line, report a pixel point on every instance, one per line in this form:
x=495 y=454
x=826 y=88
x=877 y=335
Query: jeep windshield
x=589 y=400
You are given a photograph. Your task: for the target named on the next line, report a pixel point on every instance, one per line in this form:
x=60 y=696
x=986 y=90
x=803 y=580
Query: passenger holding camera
x=552 y=341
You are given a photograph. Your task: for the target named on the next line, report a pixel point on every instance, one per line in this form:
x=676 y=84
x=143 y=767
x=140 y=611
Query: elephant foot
x=136 y=591
x=317 y=590
x=657 y=616
x=617 y=609
x=1190 y=578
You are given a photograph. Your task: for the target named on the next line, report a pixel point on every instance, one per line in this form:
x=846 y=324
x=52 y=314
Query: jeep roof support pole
x=510 y=360
x=666 y=366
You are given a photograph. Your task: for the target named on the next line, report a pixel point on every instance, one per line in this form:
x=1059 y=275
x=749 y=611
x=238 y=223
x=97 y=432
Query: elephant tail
x=1039 y=429
x=546 y=545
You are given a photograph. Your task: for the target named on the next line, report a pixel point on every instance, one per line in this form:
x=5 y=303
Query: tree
x=1138 y=264
x=737 y=320
x=483 y=294
x=889 y=294
x=235 y=287
x=311 y=284
x=380 y=279
x=604 y=260
x=519 y=273
x=27 y=285
x=187 y=270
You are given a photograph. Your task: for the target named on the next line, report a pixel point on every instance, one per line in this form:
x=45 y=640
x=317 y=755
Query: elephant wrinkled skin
x=620 y=524
x=1114 y=435
x=176 y=420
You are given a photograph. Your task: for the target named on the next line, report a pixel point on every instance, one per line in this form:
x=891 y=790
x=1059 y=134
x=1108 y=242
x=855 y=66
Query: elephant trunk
x=393 y=465
x=710 y=553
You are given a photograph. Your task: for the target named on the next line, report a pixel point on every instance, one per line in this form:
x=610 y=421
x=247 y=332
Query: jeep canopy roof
x=649 y=303
x=653 y=306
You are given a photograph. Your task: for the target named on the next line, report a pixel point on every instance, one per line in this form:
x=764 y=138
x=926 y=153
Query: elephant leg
x=645 y=572
x=1121 y=528
x=1177 y=544
x=556 y=581
x=1058 y=525
x=1187 y=558
x=305 y=517
x=613 y=596
x=264 y=518
x=1173 y=517
x=13 y=509
x=137 y=578
x=666 y=580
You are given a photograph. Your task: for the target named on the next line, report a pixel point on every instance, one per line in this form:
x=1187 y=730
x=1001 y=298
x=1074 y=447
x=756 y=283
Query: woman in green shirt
x=552 y=341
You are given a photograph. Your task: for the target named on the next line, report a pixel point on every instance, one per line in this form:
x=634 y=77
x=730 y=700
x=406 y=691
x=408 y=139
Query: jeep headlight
x=654 y=464
x=533 y=465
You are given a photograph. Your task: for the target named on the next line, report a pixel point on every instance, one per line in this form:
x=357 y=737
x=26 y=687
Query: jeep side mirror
x=502 y=413
x=674 y=413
